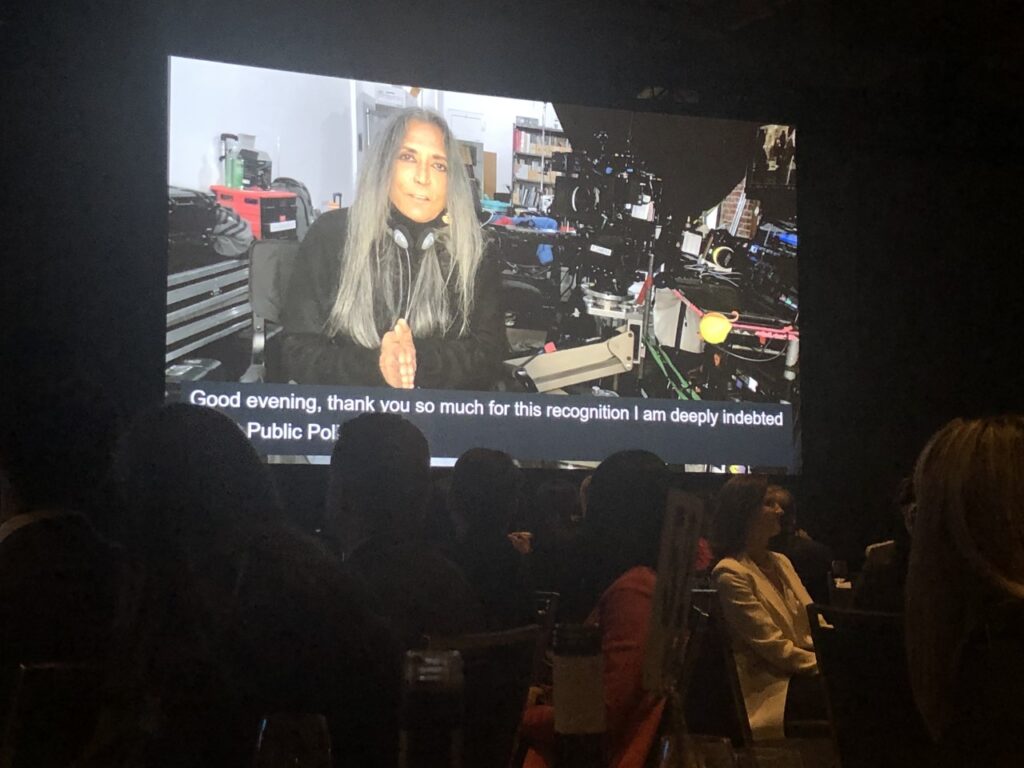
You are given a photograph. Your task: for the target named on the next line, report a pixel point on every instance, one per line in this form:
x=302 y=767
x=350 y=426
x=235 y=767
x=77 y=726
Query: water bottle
x=578 y=689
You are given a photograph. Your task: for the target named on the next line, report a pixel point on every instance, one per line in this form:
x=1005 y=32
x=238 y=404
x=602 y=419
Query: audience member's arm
x=749 y=621
x=625 y=616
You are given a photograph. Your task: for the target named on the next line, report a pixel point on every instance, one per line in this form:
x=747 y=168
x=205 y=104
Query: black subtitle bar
x=282 y=419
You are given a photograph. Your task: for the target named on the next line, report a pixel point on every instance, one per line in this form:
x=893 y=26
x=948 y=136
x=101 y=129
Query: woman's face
x=419 y=180
x=767 y=522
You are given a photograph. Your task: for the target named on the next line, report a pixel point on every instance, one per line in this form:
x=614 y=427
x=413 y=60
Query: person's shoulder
x=806 y=546
x=729 y=565
x=781 y=559
x=640 y=578
x=328 y=230
x=336 y=219
x=52 y=539
x=409 y=561
x=784 y=563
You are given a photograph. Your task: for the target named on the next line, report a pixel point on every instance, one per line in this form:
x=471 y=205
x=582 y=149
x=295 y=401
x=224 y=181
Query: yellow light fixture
x=714 y=327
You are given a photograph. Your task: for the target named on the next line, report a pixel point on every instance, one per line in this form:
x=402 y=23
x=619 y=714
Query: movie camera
x=611 y=200
x=605 y=190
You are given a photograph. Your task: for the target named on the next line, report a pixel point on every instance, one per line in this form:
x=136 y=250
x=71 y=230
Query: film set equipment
x=621 y=250
x=769 y=267
x=605 y=189
x=244 y=166
x=609 y=201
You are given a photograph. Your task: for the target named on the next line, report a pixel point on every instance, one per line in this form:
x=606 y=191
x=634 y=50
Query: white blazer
x=771 y=636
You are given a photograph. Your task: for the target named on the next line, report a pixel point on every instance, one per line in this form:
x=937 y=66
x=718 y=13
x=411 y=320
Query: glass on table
x=293 y=740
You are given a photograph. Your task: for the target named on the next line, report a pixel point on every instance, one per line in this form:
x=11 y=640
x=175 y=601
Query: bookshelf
x=532 y=147
x=473 y=159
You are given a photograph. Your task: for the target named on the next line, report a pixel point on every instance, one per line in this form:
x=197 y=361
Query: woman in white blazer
x=764 y=606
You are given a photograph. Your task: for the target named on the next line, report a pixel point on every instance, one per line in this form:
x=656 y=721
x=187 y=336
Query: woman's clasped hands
x=398 y=356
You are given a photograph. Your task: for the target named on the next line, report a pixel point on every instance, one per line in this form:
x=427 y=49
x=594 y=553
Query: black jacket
x=419 y=590
x=448 y=362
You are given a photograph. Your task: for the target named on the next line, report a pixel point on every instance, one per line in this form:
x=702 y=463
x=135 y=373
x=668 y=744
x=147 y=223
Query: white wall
x=304 y=122
x=308 y=123
x=499 y=115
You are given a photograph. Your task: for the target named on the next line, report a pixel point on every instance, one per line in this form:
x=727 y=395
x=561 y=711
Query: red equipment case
x=270 y=212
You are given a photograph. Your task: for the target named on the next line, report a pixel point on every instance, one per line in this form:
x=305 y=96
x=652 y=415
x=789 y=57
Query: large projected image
x=554 y=280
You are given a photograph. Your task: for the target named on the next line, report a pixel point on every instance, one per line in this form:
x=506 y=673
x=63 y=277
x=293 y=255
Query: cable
x=677 y=383
x=766 y=359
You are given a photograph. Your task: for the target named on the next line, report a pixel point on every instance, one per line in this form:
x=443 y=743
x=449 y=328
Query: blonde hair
x=369 y=285
x=967 y=551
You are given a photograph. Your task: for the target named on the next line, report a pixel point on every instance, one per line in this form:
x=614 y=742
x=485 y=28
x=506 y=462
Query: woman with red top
x=625 y=508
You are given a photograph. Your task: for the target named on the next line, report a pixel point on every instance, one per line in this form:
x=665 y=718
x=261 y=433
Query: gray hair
x=370 y=259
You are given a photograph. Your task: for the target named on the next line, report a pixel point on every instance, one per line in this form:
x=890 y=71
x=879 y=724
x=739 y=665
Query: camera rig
x=629 y=290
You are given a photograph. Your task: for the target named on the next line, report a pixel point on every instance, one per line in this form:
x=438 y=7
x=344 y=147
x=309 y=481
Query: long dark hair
x=625 y=512
x=192 y=482
x=484 y=493
x=965 y=552
x=738 y=503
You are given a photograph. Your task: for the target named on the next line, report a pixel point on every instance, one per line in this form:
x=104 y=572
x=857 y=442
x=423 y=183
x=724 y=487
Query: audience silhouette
x=811 y=559
x=621 y=532
x=164 y=557
x=376 y=516
x=58 y=576
x=229 y=614
x=965 y=590
x=485 y=500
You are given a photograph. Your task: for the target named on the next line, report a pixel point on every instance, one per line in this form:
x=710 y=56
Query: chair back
x=862 y=659
x=545 y=609
x=710 y=687
x=497 y=667
x=52 y=715
x=271 y=263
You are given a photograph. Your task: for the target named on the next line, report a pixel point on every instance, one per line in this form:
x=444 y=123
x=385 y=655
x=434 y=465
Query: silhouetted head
x=625 y=512
x=193 y=484
x=484 y=494
x=380 y=479
x=558 y=506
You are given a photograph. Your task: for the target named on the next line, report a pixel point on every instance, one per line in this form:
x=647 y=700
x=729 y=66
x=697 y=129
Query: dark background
x=909 y=154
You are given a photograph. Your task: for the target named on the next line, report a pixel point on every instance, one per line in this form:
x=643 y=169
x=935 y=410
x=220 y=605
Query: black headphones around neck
x=401 y=233
x=404 y=239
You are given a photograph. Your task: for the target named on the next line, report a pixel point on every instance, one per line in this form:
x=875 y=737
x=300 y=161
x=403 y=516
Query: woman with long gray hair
x=395 y=291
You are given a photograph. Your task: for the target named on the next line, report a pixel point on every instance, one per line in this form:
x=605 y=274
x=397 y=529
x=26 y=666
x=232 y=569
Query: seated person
x=764 y=606
x=395 y=291
x=58 y=578
x=376 y=516
x=965 y=591
x=484 y=500
x=229 y=614
x=555 y=531
x=811 y=560
x=880 y=585
x=625 y=510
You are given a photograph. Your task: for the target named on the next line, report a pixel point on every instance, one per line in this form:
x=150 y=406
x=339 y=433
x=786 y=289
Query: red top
x=633 y=714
